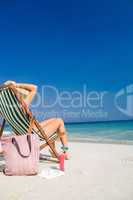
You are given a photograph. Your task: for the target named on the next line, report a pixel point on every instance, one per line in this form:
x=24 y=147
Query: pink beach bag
x=21 y=155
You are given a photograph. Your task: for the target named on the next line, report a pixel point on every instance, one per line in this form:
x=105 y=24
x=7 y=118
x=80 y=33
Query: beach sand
x=95 y=172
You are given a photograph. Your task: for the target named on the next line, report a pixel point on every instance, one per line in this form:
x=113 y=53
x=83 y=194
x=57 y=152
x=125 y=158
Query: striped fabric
x=12 y=112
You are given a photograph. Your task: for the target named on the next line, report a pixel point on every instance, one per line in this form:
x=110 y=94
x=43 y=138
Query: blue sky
x=67 y=43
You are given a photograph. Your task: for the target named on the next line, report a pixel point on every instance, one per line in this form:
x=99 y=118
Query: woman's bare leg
x=56 y=125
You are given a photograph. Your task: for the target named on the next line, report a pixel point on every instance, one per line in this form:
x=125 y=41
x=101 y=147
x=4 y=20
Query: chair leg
x=53 y=150
x=42 y=146
x=49 y=159
x=48 y=142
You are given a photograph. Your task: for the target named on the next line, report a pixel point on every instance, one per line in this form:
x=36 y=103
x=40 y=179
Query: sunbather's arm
x=32 y=89
x=29 y=87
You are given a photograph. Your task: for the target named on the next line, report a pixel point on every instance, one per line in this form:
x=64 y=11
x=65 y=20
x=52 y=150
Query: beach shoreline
x=101 y=141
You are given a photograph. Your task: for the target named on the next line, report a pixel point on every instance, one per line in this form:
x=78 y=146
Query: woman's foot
x=67 y=156
x=65 y=151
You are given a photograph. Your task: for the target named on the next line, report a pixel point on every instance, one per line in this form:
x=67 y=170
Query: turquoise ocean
x=107 y=132
x=104 y=132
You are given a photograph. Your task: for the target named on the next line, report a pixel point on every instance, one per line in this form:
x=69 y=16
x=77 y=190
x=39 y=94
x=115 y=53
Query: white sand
x=95 y=172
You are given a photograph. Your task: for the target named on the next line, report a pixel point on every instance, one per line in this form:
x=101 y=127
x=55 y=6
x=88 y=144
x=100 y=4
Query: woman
x=28 y=91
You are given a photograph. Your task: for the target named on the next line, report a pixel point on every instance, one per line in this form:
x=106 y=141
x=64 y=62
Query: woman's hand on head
x=10 y=83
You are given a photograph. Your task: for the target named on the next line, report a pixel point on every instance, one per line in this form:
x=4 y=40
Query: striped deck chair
x=14 y=111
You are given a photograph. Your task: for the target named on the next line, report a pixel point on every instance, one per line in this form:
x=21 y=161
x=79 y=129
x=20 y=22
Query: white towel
x=50 y=173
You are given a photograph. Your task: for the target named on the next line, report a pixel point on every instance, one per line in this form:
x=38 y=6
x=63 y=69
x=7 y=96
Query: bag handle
x=14 y=141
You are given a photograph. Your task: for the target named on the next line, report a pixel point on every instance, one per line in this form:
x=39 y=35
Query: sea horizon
x=97 y=122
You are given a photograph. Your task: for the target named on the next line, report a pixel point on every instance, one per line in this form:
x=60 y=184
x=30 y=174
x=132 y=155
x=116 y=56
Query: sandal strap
x=64 y=148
